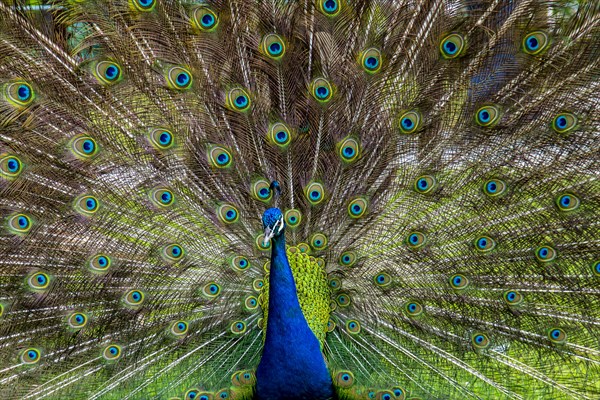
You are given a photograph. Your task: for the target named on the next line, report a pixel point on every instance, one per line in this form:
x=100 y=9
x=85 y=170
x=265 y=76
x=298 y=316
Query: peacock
x=299 y=199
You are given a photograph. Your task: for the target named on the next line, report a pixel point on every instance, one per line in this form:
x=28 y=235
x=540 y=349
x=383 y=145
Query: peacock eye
x=343 y=300
x=162 y=197
x=179 y=78
x=19 y=224
x=83 y=147
x=452 y=46
x=194 y=394
x=398 y=392
x=160 y=138
x=77 y=320
x=494 y=187
x=487 y=116
x=318 y=241
x=564 y=122
x=205 y=19
x=86 y=205
x=279 y=134
x=557 y=335
x=567 y=202
x=545 y=254
x=99 y=263
x=228 y=214
x=112 y=352
x=30 y=356
x=293 y=217
x=143 y=5
x=371 y=60
x=107 y=72
x=535 y=42
x=480 y=341
x=410 y=122
x=416 y=240
x=357 y=207
x=347 y=258
x=413 y=309
x=39 y=281
x=172 y=252
x=459 y=282
x=344 y=379
x=258 y=284
x=261 y=190
x=211 y=290
x=251 y=303
x=238 y=100
x=179 y=328
x=512 y=298
x=321 y=90
x=382 y=279
x=352 y=326
x=273 y=46
x=240 y=263
x=10 y=166
x=238 y=327
x=484 y=244
x=314 y=193
x=134 y=298
x=331 y=8
x=219 y=157
x=349 y=149
x=20 y=94
x=425 y=184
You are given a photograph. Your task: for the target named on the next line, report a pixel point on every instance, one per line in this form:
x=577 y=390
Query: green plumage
x=438 y=163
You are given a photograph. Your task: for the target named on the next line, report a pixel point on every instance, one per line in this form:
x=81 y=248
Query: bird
x=312 y=199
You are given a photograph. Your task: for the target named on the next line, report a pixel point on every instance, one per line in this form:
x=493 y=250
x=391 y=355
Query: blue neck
x=292 y=365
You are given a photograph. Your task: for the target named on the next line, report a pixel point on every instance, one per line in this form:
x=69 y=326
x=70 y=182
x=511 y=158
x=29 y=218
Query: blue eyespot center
x=183 y=78
x=352 y=325
x=346 y=259
x=230 y=214
x=79 y=319
x=457 y=280
x=484 y=116
x=349 y=151
x=102 y=261
x=380 y=278
x=207 y=20
x=243 y=263
x=41 y=279
x=482 y=242
x=492 y=187
x=113 y=350
x=423 y=183
x=165 y=197
x=565 y=201
x=322 y=92
x=479 y=338
x=111 y=72
x=330 y=6
x=561 y=122
x=511 y=296
x=407 y=123
x=23 y=222
x=23 y=92
x=356 y=209
x=164 y=138
x=90 y=204
x=450 y=47
x=555 y=333
x=13 y=164
x=414 y=238
x=281 y=136
x=223 y=158
x=136 y=296
x=88 y=146
x=275 y=48
x=32 y=354
x=263 y=193
x=412 y=307
x=241 y=101
x=315 y=195
x=371 y=62
x=176 y=251
x=543 y=252
x=532 y=43
x=146 y=3
x=293 y=219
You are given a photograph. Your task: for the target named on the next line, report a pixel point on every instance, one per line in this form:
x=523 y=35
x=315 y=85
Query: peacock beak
x=270 y=232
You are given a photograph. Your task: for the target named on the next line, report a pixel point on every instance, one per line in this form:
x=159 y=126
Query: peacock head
x=273 y=224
